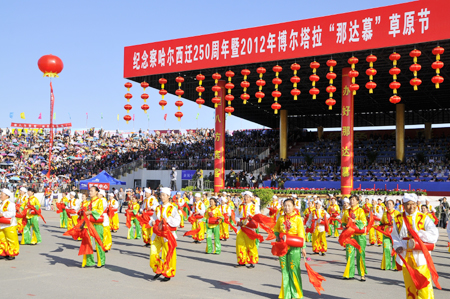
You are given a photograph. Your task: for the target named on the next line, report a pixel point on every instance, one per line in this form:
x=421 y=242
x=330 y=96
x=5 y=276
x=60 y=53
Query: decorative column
x=283 y=134
x=219 y=140
x=347 y=134
x=319 y=132
x=427 y=131
x=400 y=132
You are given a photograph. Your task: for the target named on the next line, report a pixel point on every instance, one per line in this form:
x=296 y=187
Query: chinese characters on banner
x=101 y=186
x=40 y=126
x=346 y=135
x=219 y=140
x=389 y=26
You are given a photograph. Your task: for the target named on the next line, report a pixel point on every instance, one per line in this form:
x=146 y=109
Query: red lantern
x=229 y=110
x=371 y=72
x=353 y=87
x=260 y=83
x=216 y=88
x=162 y=103
x=144 y=96
x=437 y=65
x=295 y=80
x=330 y=102
x=127 y=118
x=179 y=104
x=259 y=95
x=144 y=85
x=314 y=78
x=229 y=98
x=145 y=107
x=229 y=86
x=162 y=91
x=128 y=107
x=330 y=88
x=353 y=74
x=179 y=115
x=394 y=72
x=216 y=77
x=128 y=85
x=128 y=96
x=415 y=68
x=276 y=94
x=245 y=84
x=395 y=99
x=200 y=102
x=200 y=89
x=215 y=101
x=245 y=97
x=179 y=92
x=276 y=106
x=50 y=65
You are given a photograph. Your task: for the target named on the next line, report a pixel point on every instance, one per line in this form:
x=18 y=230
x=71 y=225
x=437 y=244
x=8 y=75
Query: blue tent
x=102 y=177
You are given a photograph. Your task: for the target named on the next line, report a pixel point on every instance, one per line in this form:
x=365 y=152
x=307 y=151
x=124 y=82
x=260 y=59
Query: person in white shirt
x=165 y=221
x=411 y=228
x=8 y=230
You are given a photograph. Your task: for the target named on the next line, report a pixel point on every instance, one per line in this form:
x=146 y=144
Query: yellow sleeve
x=362 y=216
x=277 y=227
x=384 y=219
x=338 y=209
x=300 y=228
x=345 y=217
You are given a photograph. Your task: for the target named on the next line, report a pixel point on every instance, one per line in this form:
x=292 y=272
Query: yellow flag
x=117 y=116
x=22 y=115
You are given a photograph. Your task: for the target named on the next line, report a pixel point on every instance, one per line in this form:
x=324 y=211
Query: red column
x=219 y=141
x=346 y=135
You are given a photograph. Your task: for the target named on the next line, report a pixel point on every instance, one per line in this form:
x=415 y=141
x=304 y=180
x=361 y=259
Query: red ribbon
x=315 y=278
x=167 y=234
x=79 y=231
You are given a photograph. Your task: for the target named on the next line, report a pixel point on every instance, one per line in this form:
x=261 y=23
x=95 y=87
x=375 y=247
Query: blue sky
x=89 y=36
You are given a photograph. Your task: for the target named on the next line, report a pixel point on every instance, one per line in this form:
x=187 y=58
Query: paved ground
x=53 y=270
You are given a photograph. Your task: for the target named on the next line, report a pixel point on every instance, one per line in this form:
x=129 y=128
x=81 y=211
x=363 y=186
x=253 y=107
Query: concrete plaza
x=53 y=270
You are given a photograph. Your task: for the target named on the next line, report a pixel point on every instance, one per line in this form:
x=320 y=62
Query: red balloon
x=50 y=65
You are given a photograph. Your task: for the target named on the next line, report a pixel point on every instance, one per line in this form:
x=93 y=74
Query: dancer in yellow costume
x=94 y=210
x=298 y=203
x=274 y=207
x=317 y=219
x=107 y=239
x=73 y=206
x=387 y=224
x=213 y=219
x=367 y=207
x=225 y=209
x=63 y=219
x=31 y=233
x=19 y=201
x=246 y=249
x=9 y=241
x=134 y=232
x=150 y=204
x=180 y=202
x=378 y=213
x=334 y=211
x=406 y=246
x=198 y=212
x=360 y=222
x=373 y=232
x=205 y=200
x=290 y=227
x=311 y=208
x=113 y=206
x=166 y=219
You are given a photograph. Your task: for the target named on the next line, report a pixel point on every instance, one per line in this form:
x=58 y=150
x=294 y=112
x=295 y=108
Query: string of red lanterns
x=394 y=72
x=144 y=96
x=276 y=81
x=245 y=84
x=128 y=96
x=331 y=88
x=260 y=82
x=295 y=80
x=179 y=92
x=314 y=78
x=437 y=65
x=200 y=89
x=162 y=92
x=415 y=68
x=229 y=97
x=353 y=74
x=371 y=72
x=216 y=88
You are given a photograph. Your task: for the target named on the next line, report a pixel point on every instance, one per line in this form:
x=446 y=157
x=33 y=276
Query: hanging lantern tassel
x=216 y=88
x=245 y=84
x=162 y=92
x=260 y=82
x=276 y=81
x=295 y=80
x=371 y=72
x=200 y=89
x=314 y=78
x=394 y=72
x=437 y=65
x=353 y=74
x=331 y=88
x=415 y=68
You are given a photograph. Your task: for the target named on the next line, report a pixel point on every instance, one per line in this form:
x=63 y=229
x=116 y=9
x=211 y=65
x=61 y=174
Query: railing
x=252 y=152
x=126 y=169
x=193 y=164
x=206 y=184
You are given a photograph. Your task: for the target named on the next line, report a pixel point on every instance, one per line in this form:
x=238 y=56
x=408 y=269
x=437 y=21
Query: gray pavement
x=53 y=270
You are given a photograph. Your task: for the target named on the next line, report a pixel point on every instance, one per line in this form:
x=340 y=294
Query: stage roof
x=428 y=104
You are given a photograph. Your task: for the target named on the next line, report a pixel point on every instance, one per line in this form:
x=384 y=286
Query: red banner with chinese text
x=389 y=26
x=219 y=140
x=346 y=135
x=101 y=186
x=40 y=126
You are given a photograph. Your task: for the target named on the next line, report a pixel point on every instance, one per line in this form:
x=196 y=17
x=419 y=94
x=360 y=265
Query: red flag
x=40 y=116
x=86 y=115
x=165 y=116
x=133 y=117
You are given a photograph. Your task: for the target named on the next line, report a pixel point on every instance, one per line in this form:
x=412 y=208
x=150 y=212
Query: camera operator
x=443 y=209
x=199 y=179
x=173 y=179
